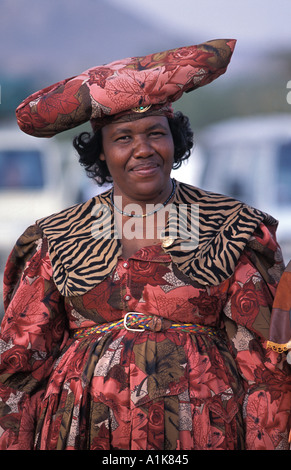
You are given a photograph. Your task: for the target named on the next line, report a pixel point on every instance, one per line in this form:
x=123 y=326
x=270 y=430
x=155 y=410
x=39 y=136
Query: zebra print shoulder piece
x=81 y=257
x=214 y=230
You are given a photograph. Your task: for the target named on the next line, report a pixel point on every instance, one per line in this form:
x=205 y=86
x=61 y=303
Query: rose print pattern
x=147 y=390
x=155 y=79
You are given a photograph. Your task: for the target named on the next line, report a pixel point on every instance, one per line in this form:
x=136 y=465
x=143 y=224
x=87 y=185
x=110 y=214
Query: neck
x=141 y=208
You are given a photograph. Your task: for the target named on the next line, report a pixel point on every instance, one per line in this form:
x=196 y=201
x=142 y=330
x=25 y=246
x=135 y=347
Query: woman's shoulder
x=29 y=246
x=226 y=228
x=221 y=212
x=27 y=243
x=63 y=220
x=81 y=244
x=220 y=204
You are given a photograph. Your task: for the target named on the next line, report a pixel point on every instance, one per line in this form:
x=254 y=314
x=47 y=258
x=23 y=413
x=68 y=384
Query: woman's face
x=139 y=156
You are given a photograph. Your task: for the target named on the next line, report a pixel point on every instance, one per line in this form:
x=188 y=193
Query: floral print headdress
x=130 y=88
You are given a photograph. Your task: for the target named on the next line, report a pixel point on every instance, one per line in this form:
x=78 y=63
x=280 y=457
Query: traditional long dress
x=214 y=385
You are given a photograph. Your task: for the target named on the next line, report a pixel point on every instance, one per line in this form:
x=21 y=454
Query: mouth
x=145 y=168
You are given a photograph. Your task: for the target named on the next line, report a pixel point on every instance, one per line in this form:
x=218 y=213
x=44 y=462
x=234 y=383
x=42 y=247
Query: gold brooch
x=167 y=241
x=141 y=109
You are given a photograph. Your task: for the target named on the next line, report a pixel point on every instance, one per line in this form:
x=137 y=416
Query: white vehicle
x=190 y=170
x=250 y=159
x=34 y=182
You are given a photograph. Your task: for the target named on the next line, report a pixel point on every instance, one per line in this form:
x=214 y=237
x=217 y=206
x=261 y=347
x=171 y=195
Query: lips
x=144 y=166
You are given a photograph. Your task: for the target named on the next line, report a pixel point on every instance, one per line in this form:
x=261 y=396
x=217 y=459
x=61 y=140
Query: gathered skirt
x=141 y=391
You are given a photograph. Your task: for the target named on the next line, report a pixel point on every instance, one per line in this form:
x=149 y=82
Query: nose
x=142 y=148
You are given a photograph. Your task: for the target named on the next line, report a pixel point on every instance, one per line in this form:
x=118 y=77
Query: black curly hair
x=89 y=148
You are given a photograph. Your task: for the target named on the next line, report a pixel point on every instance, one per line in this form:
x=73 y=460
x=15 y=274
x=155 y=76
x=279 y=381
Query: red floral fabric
x=114 y=89
x=147 y=390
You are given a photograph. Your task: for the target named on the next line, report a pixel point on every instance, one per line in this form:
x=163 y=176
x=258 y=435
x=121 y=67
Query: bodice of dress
x=149 y=283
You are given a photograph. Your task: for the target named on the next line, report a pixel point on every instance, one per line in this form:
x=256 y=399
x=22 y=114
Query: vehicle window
x=284 y=173
x=21 y=169
x=231 y=171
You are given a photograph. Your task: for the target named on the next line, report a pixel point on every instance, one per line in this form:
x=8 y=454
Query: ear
x=102 y=157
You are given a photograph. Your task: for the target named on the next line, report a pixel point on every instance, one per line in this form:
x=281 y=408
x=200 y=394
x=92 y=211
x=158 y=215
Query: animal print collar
x=206 y=251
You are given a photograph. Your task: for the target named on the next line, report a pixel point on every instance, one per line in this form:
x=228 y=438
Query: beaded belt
x=135 y=321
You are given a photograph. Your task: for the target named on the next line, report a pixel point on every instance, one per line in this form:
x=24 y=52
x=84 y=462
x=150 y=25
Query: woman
x=125 y=329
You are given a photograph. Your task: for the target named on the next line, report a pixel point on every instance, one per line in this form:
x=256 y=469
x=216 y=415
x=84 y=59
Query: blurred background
x=242 y=121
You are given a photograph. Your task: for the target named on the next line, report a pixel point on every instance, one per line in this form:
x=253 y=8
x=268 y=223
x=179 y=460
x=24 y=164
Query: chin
x=151 y=189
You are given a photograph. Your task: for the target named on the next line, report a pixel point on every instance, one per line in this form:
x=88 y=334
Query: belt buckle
x=128 y=327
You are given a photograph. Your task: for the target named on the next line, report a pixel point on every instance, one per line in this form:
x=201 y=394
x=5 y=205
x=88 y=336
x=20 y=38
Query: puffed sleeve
x=280 y=329
x=266 y=373
x=33 y=332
